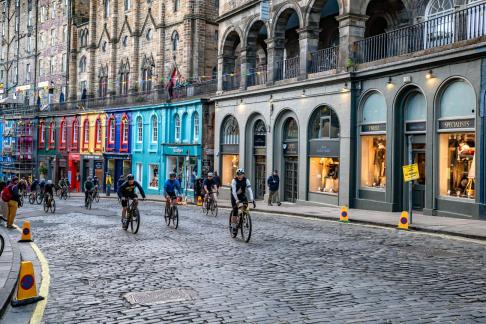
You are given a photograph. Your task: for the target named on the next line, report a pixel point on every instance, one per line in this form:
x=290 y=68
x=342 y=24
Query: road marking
x=40 y=307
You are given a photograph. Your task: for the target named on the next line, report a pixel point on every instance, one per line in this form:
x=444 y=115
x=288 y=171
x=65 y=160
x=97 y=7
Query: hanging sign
x=411 y=172
x=265 y=10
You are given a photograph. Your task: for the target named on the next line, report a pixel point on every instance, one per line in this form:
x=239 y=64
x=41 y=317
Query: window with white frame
x=196 y=126
x=63 y=132
x=111 y=132
x=155 y=129
x=98 y=131
x=139 y=129
x=86 y=132
x=126 y=129
x=177 y=120
x=75 y=132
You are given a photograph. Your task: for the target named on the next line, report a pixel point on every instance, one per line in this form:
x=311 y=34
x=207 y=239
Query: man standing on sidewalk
x=108 y=183
x=273 y=185
x=11 y=196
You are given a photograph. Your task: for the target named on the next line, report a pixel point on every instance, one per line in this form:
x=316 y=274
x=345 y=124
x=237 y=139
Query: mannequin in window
x=379 y=164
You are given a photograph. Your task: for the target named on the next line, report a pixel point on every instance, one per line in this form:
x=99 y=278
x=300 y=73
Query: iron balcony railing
x=257 y=76
x=443 y=30
x=324 y=60
x=287 y=69
x=156 y=96
x=231 y=81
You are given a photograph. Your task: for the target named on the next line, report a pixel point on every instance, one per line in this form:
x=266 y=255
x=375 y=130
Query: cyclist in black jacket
x=127 y=191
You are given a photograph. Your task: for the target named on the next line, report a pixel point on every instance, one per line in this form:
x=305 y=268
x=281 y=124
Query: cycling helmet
x=172 y=174
x=130 y=177
x=49 y=181
x=240 y=171
x=210 y=174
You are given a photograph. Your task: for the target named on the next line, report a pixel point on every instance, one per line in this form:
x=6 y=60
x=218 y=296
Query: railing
x=324 y=60
x=447 y=29
x=231 y=81
x=257 y=76
x=287 y=69
x=137 y=98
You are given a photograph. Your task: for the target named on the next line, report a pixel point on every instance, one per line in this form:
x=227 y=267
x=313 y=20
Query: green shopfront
x=186 y=161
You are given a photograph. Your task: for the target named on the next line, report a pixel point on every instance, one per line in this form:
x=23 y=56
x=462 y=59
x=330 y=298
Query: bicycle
x=64 y=193
x=32 y=197
x=96 y=196
x=89 y=201
x=210 y=205
x=39 y=197
x=243 y=224
x=2 y=244
x=171 y=214
x=49 y=203
x=132 y=217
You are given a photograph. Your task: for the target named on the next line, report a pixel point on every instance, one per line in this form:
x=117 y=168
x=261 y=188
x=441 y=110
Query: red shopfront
x=74 y=171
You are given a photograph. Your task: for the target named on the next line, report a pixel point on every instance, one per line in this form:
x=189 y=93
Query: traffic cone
x=26 y=233
x=26 y=288
x=199 y=201
x=403 y=222
x=344 y=216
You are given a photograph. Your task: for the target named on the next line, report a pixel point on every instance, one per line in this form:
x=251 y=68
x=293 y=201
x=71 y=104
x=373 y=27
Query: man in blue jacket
x=273 y=185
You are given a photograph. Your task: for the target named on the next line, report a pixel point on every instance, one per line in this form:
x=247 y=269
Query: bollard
x=26 y=232
x=344 y=216
x=26 y=289
x=403 y=222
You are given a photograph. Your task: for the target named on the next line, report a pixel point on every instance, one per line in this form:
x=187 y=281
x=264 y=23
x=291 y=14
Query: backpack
x=7 y=194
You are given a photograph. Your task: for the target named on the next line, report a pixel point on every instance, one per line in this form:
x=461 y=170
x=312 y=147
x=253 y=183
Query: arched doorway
x=290 y=146
x=260 y=157
x=230 y=148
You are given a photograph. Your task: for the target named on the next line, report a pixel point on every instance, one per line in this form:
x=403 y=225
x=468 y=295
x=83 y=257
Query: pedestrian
x=3 y=204
x=273 y=184
x=108 y=183
x=10 y=195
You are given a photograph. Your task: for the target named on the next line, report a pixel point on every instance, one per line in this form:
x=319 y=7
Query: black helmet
x=172 y=174
x=130 y=177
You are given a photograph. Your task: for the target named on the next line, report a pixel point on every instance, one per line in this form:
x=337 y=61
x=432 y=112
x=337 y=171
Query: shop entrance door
x=418 y=186
x=260 y=173
x=291 y=179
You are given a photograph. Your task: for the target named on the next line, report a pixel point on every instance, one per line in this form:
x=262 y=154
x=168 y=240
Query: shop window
x=42 y=134
x=63 y=134
x=155 y=129
x=291 y=130
x=75 y=133
x=373 y=142
x=230 y=164
x=139 y=129
x=52 y=134
x=324 y=151
x=153 y=176
x=196 y=126
x=111 y=130
x=177 y=128
x=457 y=141
x=230 y=140
x=125 y=131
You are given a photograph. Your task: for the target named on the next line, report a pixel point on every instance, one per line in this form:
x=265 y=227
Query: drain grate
x=161 y=296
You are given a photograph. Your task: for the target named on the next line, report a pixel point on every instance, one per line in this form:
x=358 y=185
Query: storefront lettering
x=323 y=148
x=373 y=128
x=462 y=123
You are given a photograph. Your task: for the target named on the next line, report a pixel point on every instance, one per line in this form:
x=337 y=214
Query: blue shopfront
x=185 y=161
x=117 y=165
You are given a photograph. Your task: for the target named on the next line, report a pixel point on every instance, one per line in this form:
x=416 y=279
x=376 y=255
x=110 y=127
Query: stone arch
x=284 y=13
x=256 y=52
x=228 y=32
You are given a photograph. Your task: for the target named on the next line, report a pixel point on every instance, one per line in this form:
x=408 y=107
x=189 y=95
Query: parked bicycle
x=49 y=204
x=132 y=218
x=171 y=214
x=243 y=224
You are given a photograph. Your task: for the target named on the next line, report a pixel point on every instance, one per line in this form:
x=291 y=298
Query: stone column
x=112 y=73
x=73 y=65
x=93 y=11
x=244 y=68
x=351 y=29
x=275 y=49
x=135 y=59
x=220 y=73
x=308 y=42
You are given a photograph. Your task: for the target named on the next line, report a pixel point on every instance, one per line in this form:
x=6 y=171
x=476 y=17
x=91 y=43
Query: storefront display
x=324 y=175
x=230 y=159
x=457 y=161
x=373 y=161
x=230 y=164
x=153 y=176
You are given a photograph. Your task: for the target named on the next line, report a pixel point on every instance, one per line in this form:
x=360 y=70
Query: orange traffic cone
x=344 y=216
x=26 y=233
x=199 y=201
x=26 y=289
x=403 y=222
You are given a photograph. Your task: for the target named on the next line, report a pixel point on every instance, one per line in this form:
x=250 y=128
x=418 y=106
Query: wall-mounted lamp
x=429 y=75
x=390 y=81
x=303 y=93
x=241 y=100
x=345 y=88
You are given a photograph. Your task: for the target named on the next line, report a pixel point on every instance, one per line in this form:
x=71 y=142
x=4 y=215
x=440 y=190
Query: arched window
x=231 y=131
x=82 y=64
x=155 y=129
x=52 y=134
x=291 y=130
x=230 y=158
x=196 y=126
x=373 y=141
x=177 y=5
x=139 y=129
x=457 y=140
x=111 y=130
x=42 y=133
x=324 y=151
x=177 y=121
x=85 y=133
x=175 y=41
x=147 y=79
x=440 y=23
x=103 y=86
x=98 y=131
x=75 y=130
x=125 y=130
x=63 y=129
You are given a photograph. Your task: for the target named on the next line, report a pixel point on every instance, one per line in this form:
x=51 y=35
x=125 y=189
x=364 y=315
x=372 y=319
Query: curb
x=336 y=219
x=9 y=288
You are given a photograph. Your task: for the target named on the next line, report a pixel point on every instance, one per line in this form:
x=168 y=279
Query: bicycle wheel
x=232 y=233
x=21 y=199
x=31 y=199
x=90 y=202
x=97 y=197
x=167 y=216
x=214 y=208
x=175 y=217
x=125 y=221
x=53 y=206
x=46 y=208
x=135 y=221
x=2 y=244
x=245 y=225
x=39 y=197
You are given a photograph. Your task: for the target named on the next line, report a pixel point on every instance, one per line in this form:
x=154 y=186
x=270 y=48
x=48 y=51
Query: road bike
x=32 y=197
x=39 y=197
x=64 y=193
x=243 y=223
x=210 y=205
x=171 y=214
x=88 y=202
x=49 y=204
x=132 y=218
x=96 y=195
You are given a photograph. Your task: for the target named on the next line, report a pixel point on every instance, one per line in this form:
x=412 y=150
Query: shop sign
x=209 y=151
x=230 y=149
x=98 y=165
x=458 y=123
x=181 y=150
x=411 y=172
x=373 y=128
x=22 y=88
x=265 y=10
x=74 y=157
x=259 y=140
x=92 y=157
x=117 y=156
x=416 y=127
x=291 y=148
x=44 y=84
x=323 y=148
x=260 y=151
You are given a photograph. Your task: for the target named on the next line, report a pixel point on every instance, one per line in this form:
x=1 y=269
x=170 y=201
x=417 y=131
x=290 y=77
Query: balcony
x=257 y=76
x=231 y=81
x=287 y=69
x=324 y=60
x=466 y=24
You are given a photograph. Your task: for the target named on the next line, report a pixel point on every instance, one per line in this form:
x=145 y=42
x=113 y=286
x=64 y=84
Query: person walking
x=273 y=185
x=3 y=204
x=108 y=183
x=10 y=195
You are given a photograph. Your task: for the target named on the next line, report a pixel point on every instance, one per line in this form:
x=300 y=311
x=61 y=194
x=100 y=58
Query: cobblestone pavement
x=293 y=270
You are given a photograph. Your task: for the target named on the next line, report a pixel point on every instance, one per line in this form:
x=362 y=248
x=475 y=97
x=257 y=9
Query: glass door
x=260 y=173
x=291 y=169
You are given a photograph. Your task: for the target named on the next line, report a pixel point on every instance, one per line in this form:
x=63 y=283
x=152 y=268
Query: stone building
x=335 y=94
x=127 y=46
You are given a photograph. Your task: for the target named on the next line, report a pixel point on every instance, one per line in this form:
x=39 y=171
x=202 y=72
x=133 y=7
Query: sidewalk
x=468 y=228
x=9 y=268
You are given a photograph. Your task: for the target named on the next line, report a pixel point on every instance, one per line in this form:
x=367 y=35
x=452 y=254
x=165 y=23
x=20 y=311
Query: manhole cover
x=161 y=296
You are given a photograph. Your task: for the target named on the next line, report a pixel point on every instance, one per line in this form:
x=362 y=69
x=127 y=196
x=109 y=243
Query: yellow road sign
x=411 y=172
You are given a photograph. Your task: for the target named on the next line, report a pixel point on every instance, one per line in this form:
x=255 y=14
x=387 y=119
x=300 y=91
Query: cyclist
x=49 y=191
x=239 y=186
x=61 y=183
x=42 y=184
x=210 y=187
x=170 y=187
x=96 y=183
x=88 y=189
x=34 y=185
x=120 y=181
x=127 y=191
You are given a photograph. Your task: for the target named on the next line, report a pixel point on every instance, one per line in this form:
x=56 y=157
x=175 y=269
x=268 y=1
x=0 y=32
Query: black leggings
x=241 y=198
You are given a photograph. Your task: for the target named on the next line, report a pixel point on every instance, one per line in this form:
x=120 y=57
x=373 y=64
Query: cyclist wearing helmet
x=170 y=187
x=96 y=183
x=210 y=186
x=127 y=191
x=88 y=189
x=239 y=186
x=49 y=188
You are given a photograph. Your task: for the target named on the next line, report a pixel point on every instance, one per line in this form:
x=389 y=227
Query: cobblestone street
x=293 y=270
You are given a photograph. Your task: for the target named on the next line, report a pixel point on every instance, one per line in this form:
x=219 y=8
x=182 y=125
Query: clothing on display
x=324 y=175
x=373 y=164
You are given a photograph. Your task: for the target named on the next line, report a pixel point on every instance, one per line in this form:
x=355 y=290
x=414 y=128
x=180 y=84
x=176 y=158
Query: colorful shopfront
x=92 y=135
